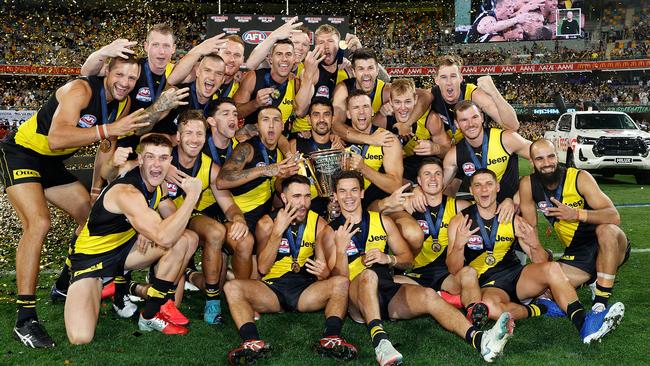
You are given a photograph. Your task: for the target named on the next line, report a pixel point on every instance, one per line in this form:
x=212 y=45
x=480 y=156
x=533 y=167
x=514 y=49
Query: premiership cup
x=323 y=165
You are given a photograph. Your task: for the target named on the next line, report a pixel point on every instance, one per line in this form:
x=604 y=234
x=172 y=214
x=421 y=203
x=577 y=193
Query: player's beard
x=551 y=179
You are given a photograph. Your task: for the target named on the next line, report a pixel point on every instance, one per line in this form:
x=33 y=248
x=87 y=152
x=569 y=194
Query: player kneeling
x=107 y=243
x=293 y=260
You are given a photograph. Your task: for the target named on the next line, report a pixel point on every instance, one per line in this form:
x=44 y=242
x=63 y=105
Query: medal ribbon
x=195 y=100
x=294 y=244
x=435 y=230
x=196 y=166
x=484 y=153
x=270 y=83
x=106 y=119
x=360 y=242
x=147 y=73
x=558 y=196
x=265 y=154
x=215 y=154
x=152 y=200
x=488 y=240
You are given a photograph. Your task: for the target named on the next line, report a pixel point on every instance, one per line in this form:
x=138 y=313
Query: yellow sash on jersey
x=377 y=238
x=570 y=196
x=283 y=265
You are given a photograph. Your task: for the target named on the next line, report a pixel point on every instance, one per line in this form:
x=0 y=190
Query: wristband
x=99 y=135
x=105 y=129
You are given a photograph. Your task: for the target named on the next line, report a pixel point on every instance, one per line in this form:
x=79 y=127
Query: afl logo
x=543 y=206
x=87 y=120
x=144 y=94
x=475 y=242
x=254 y=37
x=323 y=91
x=469 y=169
x=172 y=190
x=424 y=226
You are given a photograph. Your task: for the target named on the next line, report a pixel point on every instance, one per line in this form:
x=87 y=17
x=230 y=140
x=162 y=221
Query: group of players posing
x=199 y=180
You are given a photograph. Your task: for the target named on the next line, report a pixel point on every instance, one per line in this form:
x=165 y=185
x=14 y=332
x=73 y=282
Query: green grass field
x=422 y=341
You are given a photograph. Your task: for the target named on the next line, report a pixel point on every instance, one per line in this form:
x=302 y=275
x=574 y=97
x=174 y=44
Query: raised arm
x=128 y=200
x=488 y=98
x=183 y=69
x=526 y=201
x=391 y=179
x=94 y=64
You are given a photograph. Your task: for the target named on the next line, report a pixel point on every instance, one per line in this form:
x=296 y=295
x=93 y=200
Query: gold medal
x=490 y=260
x=105 y=145
x=275 y=94
x=435 y=246
x=295 y=267
x=343 y=45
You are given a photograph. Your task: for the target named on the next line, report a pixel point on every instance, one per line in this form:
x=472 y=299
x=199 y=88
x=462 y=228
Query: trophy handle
x=312 y=171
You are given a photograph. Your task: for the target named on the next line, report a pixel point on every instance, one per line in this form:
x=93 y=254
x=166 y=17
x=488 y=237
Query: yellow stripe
x=152 y=292
x=375 y=330
x=29 y=138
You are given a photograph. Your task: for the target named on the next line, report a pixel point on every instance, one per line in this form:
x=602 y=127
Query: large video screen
x=479 y=21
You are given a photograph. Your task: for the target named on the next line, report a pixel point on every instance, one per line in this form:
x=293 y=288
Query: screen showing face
x=479 y=21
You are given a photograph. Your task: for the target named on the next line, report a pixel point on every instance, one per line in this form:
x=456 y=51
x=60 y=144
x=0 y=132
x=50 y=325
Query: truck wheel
x=642 y=177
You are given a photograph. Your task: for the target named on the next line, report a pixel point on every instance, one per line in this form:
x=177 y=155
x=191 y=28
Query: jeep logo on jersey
x=424 y=226
x=254 y=36
x=469 y=169
x=87 y=120
x=144 y=94
x=475 y=242
x=323 y=91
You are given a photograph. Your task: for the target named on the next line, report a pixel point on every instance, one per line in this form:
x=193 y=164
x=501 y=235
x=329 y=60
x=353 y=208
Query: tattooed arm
x=170 y=99
x=233 y=174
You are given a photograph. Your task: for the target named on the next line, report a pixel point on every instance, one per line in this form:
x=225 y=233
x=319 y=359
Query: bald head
x=539 y=146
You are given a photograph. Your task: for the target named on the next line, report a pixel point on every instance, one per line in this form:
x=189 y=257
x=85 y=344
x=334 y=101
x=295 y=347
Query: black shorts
x=584 y=257
x=289 y=287
x=386 y=288
x=109 y=264
x=214 y=212
x=21 y=165
x=429 y=276
x=253 y=216
x=505 y=279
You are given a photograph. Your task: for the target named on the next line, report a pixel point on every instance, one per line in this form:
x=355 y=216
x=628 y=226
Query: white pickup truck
x=606 y=143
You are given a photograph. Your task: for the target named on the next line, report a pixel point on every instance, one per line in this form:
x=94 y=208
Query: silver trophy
x=323 y=165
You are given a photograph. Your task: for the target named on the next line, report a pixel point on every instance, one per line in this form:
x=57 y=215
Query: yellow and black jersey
x=169 y=124
x=492 y=155
x=33 y=134
x=218 y=155
x=373 y=156
x=323 y=88
x=258 y=191
x=446 y=111
x=285 y=96
x=376 y=96
x=434 y=223
x=228 y=90
x=419 y=130
x=308 y=146
x=202 y=169
x=296 y=237
x=570 y=233
x=105 y=231
x=372 y=235
x=149 y=85
x=488 y=251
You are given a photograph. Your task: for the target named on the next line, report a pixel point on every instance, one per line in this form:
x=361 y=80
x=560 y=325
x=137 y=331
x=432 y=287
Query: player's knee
x=413 y=234
x=467 y=274
x=368 y=277
x=80 y=337
x=554 y=271
x=244 y=247
x=607 y=234
x=37 y=224
x=340 y=284
x=232 y=289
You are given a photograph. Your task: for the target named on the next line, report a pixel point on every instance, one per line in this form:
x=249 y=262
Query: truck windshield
x=604 y=121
